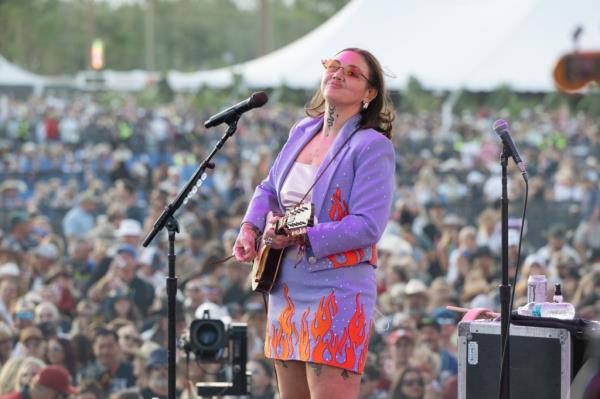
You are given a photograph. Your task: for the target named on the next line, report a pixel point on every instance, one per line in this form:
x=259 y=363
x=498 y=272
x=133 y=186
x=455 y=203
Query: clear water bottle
x=527 y=309
x=557 y=310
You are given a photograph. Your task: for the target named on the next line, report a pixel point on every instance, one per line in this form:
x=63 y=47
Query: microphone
x=501 y=129
x=256 y=100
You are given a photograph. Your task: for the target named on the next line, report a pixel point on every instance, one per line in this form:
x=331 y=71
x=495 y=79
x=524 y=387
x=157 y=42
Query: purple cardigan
x=352 y=199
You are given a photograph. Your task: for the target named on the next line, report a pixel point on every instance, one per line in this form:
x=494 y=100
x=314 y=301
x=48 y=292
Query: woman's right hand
x=244 y=248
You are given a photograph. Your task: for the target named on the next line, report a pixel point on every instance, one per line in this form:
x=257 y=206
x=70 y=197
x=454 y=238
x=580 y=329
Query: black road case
x=540 y=361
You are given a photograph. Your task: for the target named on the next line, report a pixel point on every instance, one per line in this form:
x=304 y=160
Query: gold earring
x=365 y=104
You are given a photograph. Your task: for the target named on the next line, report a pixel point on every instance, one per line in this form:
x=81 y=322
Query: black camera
x=214 y=342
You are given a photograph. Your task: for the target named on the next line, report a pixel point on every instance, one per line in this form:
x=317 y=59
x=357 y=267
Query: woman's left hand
x=277 y=241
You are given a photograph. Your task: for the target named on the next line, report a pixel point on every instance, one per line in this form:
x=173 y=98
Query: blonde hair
x=8 y=374
x=28 y=362
x=49 y=306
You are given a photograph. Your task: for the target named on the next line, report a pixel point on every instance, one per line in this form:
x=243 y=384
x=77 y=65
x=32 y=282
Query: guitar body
x=267 y=261
x=265 y=268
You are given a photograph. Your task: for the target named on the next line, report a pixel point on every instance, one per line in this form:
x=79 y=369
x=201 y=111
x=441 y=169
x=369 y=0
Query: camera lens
x=208 y=335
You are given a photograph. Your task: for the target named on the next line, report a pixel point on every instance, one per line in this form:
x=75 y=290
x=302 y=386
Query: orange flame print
x=304 y=344
x=283 y=338
x=339 y=207
x=321 y=327
x=338 y=350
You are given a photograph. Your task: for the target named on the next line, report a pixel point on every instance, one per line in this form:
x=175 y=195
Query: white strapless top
x=300 y=178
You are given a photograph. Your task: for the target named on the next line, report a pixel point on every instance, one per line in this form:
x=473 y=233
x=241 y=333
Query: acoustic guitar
x=266 y=264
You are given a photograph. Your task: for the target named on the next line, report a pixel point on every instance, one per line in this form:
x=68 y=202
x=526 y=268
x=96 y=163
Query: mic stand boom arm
x=167 y=219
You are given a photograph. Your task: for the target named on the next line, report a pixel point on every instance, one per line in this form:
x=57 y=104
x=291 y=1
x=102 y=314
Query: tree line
x=54 y=36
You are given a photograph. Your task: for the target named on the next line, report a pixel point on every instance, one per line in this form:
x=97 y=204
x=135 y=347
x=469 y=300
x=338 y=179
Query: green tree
x=53 y=36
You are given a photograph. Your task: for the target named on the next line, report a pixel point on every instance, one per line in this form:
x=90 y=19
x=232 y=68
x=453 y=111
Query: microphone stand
x=505 y=287
x=167 y=219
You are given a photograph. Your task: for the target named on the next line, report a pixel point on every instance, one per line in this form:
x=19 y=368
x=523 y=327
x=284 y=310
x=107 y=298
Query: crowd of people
x=83 y=304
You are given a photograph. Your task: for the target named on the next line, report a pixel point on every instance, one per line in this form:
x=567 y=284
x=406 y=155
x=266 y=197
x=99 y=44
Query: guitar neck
x=279 y=225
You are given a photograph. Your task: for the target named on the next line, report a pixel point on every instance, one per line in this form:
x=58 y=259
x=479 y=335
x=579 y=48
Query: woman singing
x=319 y=314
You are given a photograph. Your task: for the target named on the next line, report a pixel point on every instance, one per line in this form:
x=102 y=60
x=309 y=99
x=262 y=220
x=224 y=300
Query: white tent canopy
x=474 y=44
x=14 y=75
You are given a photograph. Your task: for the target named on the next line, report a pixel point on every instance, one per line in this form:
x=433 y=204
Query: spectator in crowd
x=430 y=335
x=255 y=317
x=588 y=230
x=83 y=352
x=128 y=198
x=130 y=393
x=8 y=374
x=89 y=390
x=416 y=299
x=86 y=318
x=6 y=343
x=459 y=262
x=262 y=379
x=236 y=283
x=157 y=381
x=46 y=312
x=152 y=267
x=194 y=251
x=122 y=275
x=369 y=383
x=81 y=261
x=109 y=369
x=140 y=359
x=81 y=219
x=50 y=382
x=20 y=237
x=156 y=326
x=60 y=352
x=401 y=347
x=129 y=232
x=11 y=194
x=120 y=304
x=447 y=320
x=129 y=340
x=32 y=343
x=8 y=296
x=60 y=281
x=192 y=296
x=26 y=373
x=557 y=248
x=22 y=315
x=45 y=256
x=409 y=385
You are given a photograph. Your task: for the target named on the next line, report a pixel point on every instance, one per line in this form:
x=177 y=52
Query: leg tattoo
x=345 y=374
x=317 y=368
